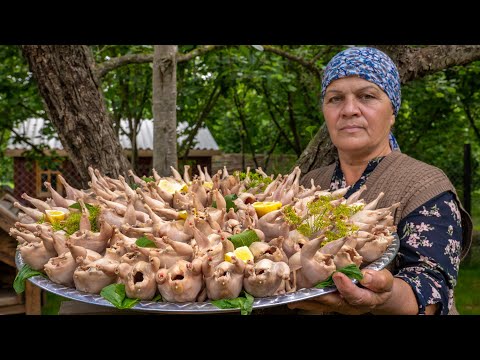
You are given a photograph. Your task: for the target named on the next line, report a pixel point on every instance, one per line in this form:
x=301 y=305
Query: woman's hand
x=376 y=294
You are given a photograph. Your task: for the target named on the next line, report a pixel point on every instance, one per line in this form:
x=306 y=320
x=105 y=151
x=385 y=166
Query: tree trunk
x=319 y=152
x=75 y=105
x=164 y=109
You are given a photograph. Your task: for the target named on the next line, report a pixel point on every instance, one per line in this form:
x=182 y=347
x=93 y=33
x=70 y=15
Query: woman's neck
x=353 y=165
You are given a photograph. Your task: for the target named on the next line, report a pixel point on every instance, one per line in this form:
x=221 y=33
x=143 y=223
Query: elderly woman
x=360 y=100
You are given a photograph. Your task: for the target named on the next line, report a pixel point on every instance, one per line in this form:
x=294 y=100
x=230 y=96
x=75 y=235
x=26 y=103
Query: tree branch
x=103 y=68
x=310 y=66
x=415 y=63
x=199 y=51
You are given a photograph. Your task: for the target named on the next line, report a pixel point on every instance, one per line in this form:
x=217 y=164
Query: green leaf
x=78 y=207
x=145 y=242
x=351 y=270
x=247 y=305
x=244 y=303
x=148 y=179
x=244 y=238
x=229 y=200
x=25 y=273
x=115 y=294
x=157 y=298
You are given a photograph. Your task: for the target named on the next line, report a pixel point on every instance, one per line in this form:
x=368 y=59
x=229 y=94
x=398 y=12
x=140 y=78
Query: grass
x=475 y=213
x=467 y=292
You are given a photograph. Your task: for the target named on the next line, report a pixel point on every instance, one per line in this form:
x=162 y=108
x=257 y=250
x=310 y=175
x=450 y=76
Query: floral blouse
x=430 y=241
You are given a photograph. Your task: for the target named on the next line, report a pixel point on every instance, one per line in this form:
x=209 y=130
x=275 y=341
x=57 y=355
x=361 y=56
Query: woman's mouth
x=351 y=129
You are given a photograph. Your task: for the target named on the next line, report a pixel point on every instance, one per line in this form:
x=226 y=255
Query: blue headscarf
x=368 y=63
x=372 y=65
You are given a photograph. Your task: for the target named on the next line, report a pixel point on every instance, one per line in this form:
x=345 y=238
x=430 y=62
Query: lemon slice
x=208 y=185
x=264 y=207
x=243 y=253
x=170 y=187
x=55 y=215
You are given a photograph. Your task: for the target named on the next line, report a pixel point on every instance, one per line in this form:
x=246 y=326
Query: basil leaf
x=25 y=273
x=245 y=304
x=157 y=298
x=351 y=270
x=229 y=200
x=145 y=242
x=115 y=294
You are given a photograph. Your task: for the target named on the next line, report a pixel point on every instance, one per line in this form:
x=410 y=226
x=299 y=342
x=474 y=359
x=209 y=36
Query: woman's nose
x=350 y=107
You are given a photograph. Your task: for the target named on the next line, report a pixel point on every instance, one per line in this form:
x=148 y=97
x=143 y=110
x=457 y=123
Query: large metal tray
x=202 y=307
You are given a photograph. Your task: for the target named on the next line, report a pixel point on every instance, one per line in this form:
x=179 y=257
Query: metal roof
x=32 y=129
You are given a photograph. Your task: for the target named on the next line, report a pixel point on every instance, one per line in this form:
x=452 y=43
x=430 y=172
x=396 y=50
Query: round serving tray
x=202 y=307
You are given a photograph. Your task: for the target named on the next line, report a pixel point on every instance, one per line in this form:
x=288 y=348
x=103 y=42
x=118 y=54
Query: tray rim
x=202 y=307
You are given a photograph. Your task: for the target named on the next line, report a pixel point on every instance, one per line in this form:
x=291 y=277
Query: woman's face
x=358 y=115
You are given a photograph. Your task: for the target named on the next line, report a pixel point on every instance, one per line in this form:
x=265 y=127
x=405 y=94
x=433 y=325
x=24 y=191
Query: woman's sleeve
x=429 y=255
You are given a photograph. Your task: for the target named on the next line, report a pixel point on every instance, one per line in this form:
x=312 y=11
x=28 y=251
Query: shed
x=29 y=176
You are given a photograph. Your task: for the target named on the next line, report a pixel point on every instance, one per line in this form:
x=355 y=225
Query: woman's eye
x=368 y=96
x=334 y=99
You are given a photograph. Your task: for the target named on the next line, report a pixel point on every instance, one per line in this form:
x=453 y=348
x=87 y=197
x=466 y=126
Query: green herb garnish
x=115 y=293
x=25 y=273
x=351 y=270
x=321 y=215
x=255 y=180
x=244 y=303
x=72 y=222
x=157 y=298
x=229 y=200
x=148 y=178
x=145 y=242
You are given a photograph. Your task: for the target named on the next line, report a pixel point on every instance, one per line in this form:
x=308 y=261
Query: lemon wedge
x=264 y=207
x=208 y=185
x=242 y=252
x=55 y=215
x=170 y=186
x=182 y=214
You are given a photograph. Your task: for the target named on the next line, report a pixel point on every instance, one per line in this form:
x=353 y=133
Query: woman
x=360 y=100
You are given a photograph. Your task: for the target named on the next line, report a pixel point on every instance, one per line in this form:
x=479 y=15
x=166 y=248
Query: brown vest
x=402 y=179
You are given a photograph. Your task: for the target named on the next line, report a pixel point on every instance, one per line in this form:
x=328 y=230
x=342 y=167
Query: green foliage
x=25 y=272
x=244 y=303
x=351 y=270
x=467 y=291
x=255 y=180
x=115 y=294
x=145 y=242
x=72 y=223
x=323 y=216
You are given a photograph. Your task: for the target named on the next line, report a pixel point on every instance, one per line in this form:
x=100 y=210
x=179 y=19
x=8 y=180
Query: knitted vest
x=402 y=179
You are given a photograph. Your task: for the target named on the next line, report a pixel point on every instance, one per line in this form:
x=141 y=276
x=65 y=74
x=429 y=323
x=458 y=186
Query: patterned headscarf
x=368 y=63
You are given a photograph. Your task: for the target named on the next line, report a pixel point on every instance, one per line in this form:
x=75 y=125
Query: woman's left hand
x=350 y=298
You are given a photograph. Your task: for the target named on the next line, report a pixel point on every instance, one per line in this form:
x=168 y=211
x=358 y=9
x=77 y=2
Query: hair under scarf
x=368 y=63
